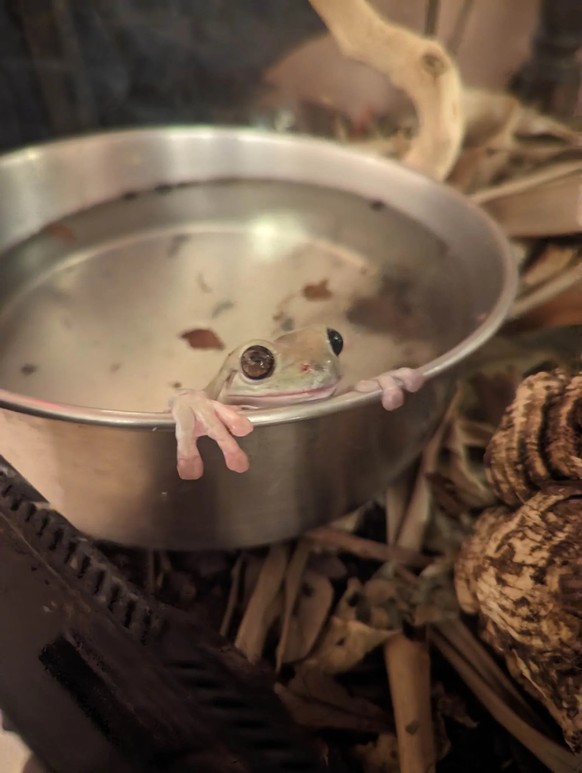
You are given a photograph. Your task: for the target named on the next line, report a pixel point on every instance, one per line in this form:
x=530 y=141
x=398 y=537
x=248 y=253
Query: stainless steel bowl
x=113 y=245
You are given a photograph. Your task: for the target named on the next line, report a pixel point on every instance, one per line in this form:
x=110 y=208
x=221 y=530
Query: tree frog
x=299 y=366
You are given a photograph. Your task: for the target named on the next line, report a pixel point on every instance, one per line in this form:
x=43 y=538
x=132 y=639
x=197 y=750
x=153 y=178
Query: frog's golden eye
x=257 y=362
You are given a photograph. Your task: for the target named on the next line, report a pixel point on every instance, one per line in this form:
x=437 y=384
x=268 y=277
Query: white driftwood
x=417 y=65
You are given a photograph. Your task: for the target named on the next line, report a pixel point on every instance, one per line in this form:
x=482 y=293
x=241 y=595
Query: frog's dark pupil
x=257 y=362
x=336 y=341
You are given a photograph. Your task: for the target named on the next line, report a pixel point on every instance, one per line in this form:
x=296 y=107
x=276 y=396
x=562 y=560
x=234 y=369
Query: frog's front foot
x=393 y=384
x=197 y=415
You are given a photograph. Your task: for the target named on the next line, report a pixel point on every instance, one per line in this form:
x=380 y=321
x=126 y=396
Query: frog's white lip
x=302 y=395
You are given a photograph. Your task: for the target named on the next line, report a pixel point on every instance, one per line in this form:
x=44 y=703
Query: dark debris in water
x=202 y=338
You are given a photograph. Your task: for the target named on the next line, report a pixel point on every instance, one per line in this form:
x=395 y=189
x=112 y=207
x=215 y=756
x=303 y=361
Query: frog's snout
x=335 y=340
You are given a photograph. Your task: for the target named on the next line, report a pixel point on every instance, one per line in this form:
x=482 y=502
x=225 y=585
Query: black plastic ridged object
x=96 y=676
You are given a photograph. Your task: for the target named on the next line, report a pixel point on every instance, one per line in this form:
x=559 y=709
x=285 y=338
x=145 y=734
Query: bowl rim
x=339 y=153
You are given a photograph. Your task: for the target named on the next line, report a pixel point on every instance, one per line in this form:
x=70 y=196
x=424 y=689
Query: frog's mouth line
x=284 y=398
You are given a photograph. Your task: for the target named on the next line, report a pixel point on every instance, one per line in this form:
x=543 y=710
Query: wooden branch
x=417 y=65
x=408 y=667
x=366 y=548
x=555 y=757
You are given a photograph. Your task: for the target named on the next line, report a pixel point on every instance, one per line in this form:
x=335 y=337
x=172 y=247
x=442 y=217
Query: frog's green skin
x=306 y=367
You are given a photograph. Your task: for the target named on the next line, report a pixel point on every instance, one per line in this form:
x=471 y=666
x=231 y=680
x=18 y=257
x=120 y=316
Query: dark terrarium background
x=68 y=66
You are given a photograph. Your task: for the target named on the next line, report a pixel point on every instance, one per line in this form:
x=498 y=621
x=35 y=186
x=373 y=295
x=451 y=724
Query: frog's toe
x=392 y=392
x=190 y=467
x=236 y=422
x=236 y=460
x=412 y=379
x=367 y=385
x=393 y=384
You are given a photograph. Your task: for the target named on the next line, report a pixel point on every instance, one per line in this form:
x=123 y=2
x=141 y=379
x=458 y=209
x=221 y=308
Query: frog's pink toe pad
x=393 y=385
x=190 y=467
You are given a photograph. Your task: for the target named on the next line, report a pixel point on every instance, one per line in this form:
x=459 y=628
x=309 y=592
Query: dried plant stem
x=397 y=495
x=408 y=667
x=525 y=182
x=235 y=577
x=418 y=511
x=460 y=25
x=547 y=292
x=150 y=571
x=258 y=615
x=461 y=638
x=367 y=549
x=417 y=65
x=555 y=757
x=293 y=577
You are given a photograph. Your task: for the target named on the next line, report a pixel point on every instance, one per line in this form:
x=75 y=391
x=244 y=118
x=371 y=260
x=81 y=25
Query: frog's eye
x=335 y=340
x=257 y=362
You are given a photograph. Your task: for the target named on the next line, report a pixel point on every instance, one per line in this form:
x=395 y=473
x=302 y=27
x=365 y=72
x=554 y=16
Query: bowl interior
x=98 y=309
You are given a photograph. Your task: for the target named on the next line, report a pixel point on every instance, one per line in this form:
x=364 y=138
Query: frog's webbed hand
x=197 y=415
x=393 y=384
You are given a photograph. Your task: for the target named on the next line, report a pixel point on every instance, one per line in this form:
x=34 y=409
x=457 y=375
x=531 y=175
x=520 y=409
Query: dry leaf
x=388 y=600
x=315 y=699
x=532 y=123
x=559 y=284
x=552 y=260
x=61 y=231
x=486 y=114
x=546 y=202
x=318 y=291
x=345 y=644
x=434 y=601
x=202 y=338
x=468 y=480
x=309 y=617
x=446 y=534
x=475 y=434
x=351 y=521
x=505 y=139
x=491 y=121
x=446 y=497
x=380 y=756
x=452 y=706
x=493 y=393
x=327 y=564
x=562 y=311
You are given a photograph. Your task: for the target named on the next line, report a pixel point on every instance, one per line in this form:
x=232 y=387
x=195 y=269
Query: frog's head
x=296 y=367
